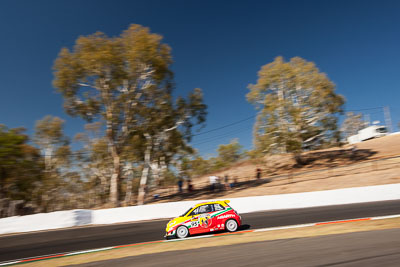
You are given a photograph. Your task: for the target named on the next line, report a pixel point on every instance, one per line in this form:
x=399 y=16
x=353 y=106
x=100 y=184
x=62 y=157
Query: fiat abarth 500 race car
x=204 y=217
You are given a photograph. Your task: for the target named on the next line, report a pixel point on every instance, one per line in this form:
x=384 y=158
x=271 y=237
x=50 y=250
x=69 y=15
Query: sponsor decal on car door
x=201 y=220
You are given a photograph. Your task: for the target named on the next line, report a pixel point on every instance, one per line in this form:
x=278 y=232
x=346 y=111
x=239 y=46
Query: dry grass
x=224 y=240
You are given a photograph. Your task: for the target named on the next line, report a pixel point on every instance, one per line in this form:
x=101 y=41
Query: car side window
x=202 y=209
x=218 y=207
x=205 y=209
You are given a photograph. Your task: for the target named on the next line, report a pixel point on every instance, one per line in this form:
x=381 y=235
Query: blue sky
x=217 y=45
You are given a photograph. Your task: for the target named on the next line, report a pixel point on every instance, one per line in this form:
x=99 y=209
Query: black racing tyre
x=231 y=225
x=182 y=232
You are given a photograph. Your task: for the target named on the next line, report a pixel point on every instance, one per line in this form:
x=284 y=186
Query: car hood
x=175 y=222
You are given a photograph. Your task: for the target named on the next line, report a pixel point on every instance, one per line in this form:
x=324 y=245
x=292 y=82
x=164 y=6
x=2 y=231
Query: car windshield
x=185 y=212
x=381 y=130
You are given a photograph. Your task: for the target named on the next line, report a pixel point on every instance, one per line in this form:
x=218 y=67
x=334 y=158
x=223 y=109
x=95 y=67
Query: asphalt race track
x=373 y=248
x=56 y=241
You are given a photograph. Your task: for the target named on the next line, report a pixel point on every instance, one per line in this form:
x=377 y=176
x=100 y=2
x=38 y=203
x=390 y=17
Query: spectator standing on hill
x=213 y=181
x=190 y=186
x=218 y=183
x=180 y=185
x=226 y=181
x=353 y=150
x=258 y=173
x=235 y=180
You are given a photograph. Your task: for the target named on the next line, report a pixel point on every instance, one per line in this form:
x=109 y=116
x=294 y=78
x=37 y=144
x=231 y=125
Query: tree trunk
x=145 y=172
x=282 y=124
x=155 y=170
x=163 y=167
x=128 y=195
x=114 y=183
x=142 y=186
x=3 y=176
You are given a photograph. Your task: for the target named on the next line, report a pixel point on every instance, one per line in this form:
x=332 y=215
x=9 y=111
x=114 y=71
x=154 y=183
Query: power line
x=228 y=125
x=220 y=136
x=363 y=109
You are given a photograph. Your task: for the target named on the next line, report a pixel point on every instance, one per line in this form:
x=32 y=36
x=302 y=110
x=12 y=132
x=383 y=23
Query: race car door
x=201 y=220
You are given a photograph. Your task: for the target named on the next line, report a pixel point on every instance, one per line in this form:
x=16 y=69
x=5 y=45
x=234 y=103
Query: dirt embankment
x=372 y=162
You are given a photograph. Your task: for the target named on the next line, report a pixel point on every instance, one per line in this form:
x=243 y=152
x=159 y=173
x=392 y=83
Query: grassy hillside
x=371 y=162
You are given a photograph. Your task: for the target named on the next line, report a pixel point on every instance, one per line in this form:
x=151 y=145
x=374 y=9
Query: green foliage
x=230 y=153
x=50 y=138
x=112 y=70
x=169 y=178
x=20 y=165
x=254 y=154
x=199 y=166
x=227 y=154
x=297 y=107
x=193 y=166
x=216 y=164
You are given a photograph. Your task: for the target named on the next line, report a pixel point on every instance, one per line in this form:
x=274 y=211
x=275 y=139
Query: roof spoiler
x=227 y=201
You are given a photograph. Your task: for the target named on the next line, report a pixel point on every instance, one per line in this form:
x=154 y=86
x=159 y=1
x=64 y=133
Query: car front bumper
x=170 y=234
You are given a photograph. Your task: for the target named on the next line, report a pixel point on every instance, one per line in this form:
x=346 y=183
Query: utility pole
x=388 y=119
x=367 y=119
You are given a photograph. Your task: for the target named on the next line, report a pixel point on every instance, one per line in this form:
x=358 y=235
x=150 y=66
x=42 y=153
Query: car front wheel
x=231 y=225
x=182 y=232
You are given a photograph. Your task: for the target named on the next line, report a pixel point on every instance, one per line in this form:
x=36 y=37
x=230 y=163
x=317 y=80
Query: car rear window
x=218 y=207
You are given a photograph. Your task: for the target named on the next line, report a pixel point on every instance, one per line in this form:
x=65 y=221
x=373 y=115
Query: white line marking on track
x=9 y=263
x=385 y=217
x=284 y=227
x=88 y=251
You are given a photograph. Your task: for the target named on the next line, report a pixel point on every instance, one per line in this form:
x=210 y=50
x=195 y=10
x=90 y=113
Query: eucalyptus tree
x=95 y=162
x=20 y=167
x=54 y=145
x=166 y=131
x=297 y=107
x=115 y=80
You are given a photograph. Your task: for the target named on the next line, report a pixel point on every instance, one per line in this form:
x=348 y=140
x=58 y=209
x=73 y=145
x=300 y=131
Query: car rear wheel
x=231 y=225
x=182 y=232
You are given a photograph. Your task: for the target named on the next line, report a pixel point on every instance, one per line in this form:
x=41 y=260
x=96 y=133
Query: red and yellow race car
x=203 y=218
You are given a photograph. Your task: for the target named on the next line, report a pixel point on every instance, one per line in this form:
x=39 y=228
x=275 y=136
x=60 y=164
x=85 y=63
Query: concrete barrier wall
x=141 y=213
x=44 y=221
x=253 y=204
x=317 y=198
x=63 y=219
